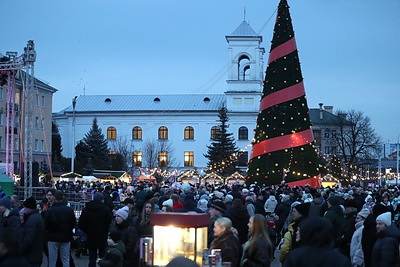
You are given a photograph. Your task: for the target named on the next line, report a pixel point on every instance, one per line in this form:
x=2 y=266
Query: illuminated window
x=189 y=132
x=111 y=133
x=137 y=159
x=137 y=133
x=243 y=133
x=243 y=158
x=163 y=132
x=214 y=132
x=112 y=153
x=162 y=159
x=189 y=159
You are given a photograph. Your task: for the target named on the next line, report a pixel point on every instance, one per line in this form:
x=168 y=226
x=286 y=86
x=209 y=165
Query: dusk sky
x=349 y=49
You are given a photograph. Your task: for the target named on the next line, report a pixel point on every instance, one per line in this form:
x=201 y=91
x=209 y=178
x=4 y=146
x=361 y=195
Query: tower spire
x=283 y=141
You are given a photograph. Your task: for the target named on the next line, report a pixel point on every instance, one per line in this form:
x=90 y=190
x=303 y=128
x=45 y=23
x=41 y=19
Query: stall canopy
x=7 y=184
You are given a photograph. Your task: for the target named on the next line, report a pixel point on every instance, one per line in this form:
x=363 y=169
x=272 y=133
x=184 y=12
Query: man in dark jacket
x=9 y=249
x=240 y=218
x=95 y=221
x=335 y=215
x=59 y=222
x=9 y=218
x=32 y=233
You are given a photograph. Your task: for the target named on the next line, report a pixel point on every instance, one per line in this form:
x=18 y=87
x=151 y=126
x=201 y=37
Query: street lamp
x=73 y=133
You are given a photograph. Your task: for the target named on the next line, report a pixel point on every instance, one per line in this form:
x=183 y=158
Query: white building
x=185 y=121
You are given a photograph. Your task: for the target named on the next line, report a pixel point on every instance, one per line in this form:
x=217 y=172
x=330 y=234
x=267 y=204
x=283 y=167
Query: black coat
x=10 y=219
x=13 y=259
x=59 y=222
x=240 y=219
x=130 y=237
x=282 y=210
x=261 y=256
x=368 y=238
x=386 y=248
x=231 y=249
x=32 y=238
x=309 y=256
x=95 y=221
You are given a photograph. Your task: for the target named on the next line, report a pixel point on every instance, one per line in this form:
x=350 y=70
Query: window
x=1 y=118
x=188 y=159
x=1 y=93
x=137 y=159
x=41 y=123
x=36 y=144
x=243 y=157
x=237 y=101
x=111 y=133
x=36 y=122
x=1 y=142
x=42 y=145
x=214 y=132
x=163 y=132
x=37 y=100
x=162 y=159
x=249 y=101
x=189 y=133
x=42 y=101
x=137 y=133
x=243 y=133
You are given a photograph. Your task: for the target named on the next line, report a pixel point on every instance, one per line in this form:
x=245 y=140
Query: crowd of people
x=252 y=225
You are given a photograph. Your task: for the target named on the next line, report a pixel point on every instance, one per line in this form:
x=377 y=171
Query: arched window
x=243 y=68
x=163 y=132
x=137 y=133
x=189 y=133
x=111 y=132
x=215 y=131
x=243 y=133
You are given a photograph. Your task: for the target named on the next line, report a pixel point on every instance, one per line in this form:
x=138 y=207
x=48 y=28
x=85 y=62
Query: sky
x=349 y=49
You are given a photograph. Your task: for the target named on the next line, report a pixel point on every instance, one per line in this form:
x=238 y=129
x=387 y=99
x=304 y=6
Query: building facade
x=182 y=126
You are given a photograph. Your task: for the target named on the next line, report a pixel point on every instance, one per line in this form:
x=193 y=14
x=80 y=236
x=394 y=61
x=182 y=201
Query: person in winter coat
x=249 y=204
x=386 y=248
x=258 y=250
x=270 y=205
x=259 y=205
x=145 y=228
x=129 y=236
x=317 y=246
x=59 y=222
x=95 y=221
x=299 y=213
x=226 y=239
x=115 y=251
x=31 y=233
x=9 y=218
x=335 y=215
x=189 y=204
x=356 y=253
x=239 y=217
x=317 y=206
x=282 y=210
x=348 y=228
x=369 y=203
x=9 y=249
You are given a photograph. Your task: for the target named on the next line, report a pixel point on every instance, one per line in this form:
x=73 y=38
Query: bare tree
x=151 y=150
x=125 y=148
x=355 y=137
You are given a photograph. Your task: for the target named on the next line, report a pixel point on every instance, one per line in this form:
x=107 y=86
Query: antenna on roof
x=244 y=14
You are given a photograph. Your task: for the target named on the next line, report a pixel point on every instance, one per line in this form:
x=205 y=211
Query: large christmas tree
x=283 y=142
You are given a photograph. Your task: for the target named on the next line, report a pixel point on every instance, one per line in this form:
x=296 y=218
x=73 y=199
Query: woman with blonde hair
x=258 y=250
x=226 y=239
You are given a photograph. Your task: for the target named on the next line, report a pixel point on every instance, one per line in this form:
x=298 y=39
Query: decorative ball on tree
x=283 y=149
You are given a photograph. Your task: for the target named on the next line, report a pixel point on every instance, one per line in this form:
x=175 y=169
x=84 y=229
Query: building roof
x=143 y=103
x=243 y=30
x=328 y=118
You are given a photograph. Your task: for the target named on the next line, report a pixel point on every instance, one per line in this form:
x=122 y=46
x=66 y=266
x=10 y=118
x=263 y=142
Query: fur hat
x=30 y=203
x=6 y=202
x=386 y=218
x=364 y=213
x=123 y=213
x=219 y=205
x=115 y=236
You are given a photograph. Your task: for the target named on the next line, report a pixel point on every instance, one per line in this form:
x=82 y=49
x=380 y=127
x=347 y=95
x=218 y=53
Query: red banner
x=282 y=142
x=284 y=95
x=314 y=182
x=282 y=50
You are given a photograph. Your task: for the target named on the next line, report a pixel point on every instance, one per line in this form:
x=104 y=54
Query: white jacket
x=356 y=252
x=270 y=204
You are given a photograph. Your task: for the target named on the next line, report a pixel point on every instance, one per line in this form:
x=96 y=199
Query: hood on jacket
x=390 y=231
x=95 y=205
x=272 y=198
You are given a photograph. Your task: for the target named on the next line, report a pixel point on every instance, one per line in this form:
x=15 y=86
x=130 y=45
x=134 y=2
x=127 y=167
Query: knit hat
x=168 y=202
x=367 y=198
x=30 y=203
x=218 y=194
x=5 y=201
x=98 y=197
x=228 y=198
x=386 y=218
x=335 y=200
x=115 y=236
x=123 y=213
x=364 y=213
x=303 y=208
x=219 y=205
x=249 y=199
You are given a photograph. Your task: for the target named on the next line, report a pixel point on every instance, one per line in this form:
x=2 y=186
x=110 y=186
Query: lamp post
x=397 y=160
x=73 y=134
